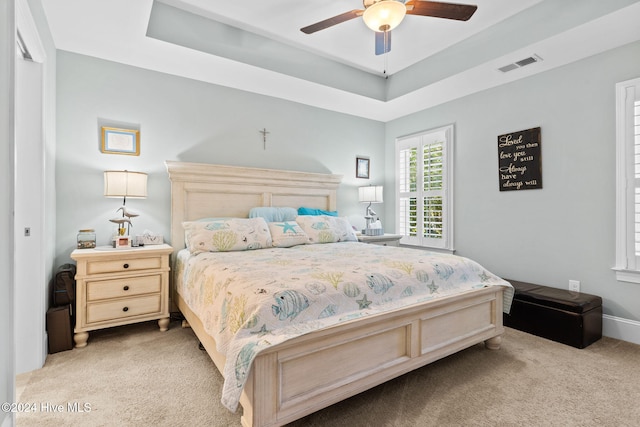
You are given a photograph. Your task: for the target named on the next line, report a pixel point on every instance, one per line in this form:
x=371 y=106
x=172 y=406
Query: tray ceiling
x=257 y=46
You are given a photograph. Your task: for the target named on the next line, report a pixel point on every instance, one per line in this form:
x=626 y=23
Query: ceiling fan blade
x=459 y=12
x=383 y=42
x=338 y=19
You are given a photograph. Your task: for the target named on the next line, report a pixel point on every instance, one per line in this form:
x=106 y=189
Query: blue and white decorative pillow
x=226 y=234
x=287 y=233
x=327 y=229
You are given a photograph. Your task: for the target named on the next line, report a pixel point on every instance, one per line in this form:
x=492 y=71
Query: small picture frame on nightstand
x=122 y=242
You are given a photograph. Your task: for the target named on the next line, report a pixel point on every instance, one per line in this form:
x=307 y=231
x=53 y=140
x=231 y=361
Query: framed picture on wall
x=362 y=167
x=120 y=141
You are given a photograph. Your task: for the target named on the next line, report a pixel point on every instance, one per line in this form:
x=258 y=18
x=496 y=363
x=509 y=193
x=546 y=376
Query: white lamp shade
x=125 y=184
x=384 y=15
x=370 y=194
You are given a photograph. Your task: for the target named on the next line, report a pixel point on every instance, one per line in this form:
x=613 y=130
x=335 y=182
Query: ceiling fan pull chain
x=386 y=65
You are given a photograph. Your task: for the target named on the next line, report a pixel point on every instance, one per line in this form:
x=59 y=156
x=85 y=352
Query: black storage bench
x=572 y=318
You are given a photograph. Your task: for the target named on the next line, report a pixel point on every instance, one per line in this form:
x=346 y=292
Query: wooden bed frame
x=280 y=388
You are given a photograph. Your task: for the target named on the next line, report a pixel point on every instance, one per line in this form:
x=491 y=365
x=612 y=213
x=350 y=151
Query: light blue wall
x=566 y=229
x=563 y=231
x=187 y=120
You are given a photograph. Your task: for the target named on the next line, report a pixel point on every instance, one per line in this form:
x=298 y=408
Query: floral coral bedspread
x=251 y=300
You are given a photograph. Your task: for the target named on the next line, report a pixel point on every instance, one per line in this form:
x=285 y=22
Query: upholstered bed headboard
x=208 y=191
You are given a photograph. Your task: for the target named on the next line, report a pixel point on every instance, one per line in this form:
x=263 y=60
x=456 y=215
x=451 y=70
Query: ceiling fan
x=382 y=16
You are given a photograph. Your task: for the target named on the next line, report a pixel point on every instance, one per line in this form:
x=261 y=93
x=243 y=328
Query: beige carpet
x=138 y=376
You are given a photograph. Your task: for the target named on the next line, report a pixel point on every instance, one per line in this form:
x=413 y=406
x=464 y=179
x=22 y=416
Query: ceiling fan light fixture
x=384 y=15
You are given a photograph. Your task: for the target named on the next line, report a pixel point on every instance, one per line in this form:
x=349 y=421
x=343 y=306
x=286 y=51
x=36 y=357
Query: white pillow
x=286 y=234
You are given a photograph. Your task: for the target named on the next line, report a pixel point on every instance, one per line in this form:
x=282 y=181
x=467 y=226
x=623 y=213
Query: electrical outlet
x=27 y=231
x=574 y=285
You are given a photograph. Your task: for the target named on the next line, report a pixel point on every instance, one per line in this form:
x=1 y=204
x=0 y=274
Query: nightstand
x=383 y=240
x=120 y=286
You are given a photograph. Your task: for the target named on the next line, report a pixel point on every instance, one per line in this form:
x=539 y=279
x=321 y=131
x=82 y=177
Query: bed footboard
x=309 y=373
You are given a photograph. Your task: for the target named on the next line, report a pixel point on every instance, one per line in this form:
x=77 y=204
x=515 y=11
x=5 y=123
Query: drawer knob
x=126 y=266
x=126 y=287
x=125 y=309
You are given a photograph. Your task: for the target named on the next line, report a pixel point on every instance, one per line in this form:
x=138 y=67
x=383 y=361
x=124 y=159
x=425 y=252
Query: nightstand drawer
x=123 y=308
x=106 y=289
x=381 y=240
x=129 y=264
x=386 y=243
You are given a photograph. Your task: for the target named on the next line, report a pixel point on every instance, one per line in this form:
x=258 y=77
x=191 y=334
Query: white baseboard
x=622 y=329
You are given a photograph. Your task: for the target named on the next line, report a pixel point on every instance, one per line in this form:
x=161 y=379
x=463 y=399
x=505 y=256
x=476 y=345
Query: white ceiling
x=256 y=45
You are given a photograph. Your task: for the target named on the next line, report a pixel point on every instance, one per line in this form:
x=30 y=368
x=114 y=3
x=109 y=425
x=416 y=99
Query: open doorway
x=30 y=284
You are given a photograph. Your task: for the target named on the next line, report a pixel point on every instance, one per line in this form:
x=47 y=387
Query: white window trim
x=627 y=267
x=448 y=233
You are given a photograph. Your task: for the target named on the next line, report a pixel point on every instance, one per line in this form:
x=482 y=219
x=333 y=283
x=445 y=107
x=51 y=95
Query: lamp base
x=373 y=231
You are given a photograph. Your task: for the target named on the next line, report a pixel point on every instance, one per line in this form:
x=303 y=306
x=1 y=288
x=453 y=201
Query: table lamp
x=370 y=194
x=125 y=184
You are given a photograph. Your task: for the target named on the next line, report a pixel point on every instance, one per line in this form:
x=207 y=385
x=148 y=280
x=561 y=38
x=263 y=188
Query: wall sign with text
x=519 y=163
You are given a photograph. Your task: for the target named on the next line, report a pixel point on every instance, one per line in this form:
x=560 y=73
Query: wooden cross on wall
x=264 y=138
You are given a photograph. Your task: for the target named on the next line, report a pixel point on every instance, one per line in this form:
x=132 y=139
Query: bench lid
x=576 y=302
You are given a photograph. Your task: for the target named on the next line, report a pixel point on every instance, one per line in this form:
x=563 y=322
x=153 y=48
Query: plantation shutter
x=433 y=222
x=423 y=193
x=408 y=192
x=628 y=181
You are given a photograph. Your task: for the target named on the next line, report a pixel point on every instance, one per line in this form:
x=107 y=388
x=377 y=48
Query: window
x=424 y=188
x=628 y=181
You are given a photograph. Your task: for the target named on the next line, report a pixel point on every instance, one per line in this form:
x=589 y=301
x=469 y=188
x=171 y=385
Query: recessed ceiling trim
x=183 y=28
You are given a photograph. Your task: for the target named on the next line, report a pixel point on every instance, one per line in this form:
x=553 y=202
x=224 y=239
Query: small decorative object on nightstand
x=86 y=238
x=371 y=194
x=119 y=287
x=383 y=240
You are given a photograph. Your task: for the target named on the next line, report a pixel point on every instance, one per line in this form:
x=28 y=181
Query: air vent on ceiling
x=519 y=64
